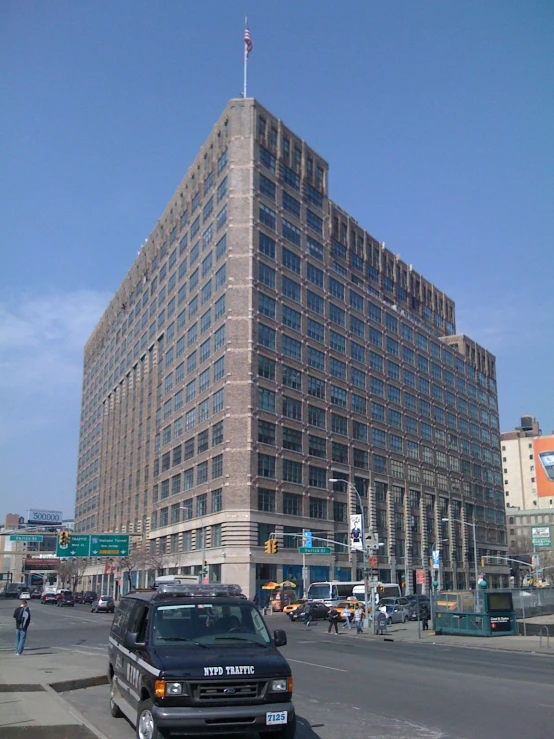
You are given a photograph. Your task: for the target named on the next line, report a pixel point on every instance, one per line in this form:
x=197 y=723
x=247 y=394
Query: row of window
x=189 y=421
x=189 y=449
x=318 y=477
x=301 y=410
x=317 y=446
x=190 y=478
x=187 y=541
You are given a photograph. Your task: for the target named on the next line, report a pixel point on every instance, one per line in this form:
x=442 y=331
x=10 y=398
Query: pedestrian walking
x=266 y=604
x=307 y=614
x=22 y=615
x=346 y=624
x=333 y=620
x=255 y=599
x=424 y=612
x=359 y=620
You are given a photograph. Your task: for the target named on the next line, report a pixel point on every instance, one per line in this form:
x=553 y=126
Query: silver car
x=397 y=614
x=103 y=603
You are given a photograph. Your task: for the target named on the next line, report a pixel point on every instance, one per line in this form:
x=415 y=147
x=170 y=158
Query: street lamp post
x=351 y=486
x=474 y=527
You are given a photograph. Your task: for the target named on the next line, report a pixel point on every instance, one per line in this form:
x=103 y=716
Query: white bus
x=334 y=591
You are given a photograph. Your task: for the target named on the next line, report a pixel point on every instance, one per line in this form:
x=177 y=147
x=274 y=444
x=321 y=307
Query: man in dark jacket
x=424 y=611
x=334 y=618
x=307 y=614
x=22 y=616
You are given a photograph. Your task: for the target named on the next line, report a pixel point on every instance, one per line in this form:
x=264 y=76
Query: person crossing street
x=22 y=615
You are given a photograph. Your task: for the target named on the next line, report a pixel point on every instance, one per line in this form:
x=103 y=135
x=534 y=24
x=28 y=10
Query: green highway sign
x=109 y=545
x=77 y=546
x=94 y=545
x=26 y=537
x=541 y=536
x=314 y=550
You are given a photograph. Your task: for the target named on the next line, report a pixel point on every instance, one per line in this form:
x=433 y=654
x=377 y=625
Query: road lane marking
x=312 y=664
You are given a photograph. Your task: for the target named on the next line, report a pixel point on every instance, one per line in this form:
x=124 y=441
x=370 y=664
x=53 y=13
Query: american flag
x=247 y=41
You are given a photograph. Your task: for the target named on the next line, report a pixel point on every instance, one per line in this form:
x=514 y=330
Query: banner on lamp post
x=356 y=533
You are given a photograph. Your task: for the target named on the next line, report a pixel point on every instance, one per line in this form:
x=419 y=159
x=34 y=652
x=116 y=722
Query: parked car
x=396 y=614
x=12 y=590
x=90 y=596
x=413 y=599
x=61 y=593
x=104 y=603
x=78 y=597
x=35 y=593
x=319 y=611
x=48 y=597
x=66 y=599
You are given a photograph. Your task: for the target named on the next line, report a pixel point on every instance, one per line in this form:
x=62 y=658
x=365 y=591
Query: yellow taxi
x=349 y=605
x=293 y=606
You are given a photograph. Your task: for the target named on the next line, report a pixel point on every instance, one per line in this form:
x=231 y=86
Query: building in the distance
x=262 y=343
x=528 y=466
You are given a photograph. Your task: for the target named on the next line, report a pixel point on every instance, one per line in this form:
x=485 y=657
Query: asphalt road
x=56 y=629
x=352 y=687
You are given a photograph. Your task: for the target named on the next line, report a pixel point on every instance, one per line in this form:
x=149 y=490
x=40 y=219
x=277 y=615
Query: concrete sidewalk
x=30 y=702
x=409 y=633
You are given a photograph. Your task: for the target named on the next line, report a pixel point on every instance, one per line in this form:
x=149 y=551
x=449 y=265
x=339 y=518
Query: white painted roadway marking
x=312 y=664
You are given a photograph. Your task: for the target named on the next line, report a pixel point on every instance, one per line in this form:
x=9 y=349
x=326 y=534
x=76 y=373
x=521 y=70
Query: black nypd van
x=198 y=659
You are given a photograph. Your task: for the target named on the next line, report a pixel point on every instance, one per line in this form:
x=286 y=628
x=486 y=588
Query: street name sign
x=314 y=550
x=26 y=537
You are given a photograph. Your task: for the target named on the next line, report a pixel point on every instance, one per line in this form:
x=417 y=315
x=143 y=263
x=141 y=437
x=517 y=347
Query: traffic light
x=483 y=561
x=271 y=546
x=205 y=567
x=63 y=538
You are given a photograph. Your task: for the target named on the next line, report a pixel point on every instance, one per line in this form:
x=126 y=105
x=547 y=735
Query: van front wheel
x=146 y=723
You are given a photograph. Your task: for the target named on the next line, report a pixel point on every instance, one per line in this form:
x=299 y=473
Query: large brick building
x=262 y=343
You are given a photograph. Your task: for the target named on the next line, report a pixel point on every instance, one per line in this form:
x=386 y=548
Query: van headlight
x=165 y=689
x=279 y=686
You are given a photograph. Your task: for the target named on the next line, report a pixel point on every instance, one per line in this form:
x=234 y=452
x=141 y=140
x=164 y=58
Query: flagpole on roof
x=247 y=50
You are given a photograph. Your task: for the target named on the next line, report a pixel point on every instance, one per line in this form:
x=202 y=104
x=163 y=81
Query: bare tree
x=141 y=559
x=71 y=571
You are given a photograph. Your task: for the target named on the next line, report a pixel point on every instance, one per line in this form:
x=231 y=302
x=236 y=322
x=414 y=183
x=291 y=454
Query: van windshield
x=207 y=623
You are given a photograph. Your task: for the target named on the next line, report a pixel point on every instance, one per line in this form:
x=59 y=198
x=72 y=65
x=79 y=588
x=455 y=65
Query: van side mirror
x=130 y=640
x=279 y=638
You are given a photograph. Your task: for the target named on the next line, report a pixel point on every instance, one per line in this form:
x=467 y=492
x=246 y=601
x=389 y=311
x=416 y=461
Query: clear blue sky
x=436 y=119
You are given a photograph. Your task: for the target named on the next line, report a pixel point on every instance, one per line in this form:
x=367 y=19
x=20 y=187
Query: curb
x=64 y=686
x=74 y=712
